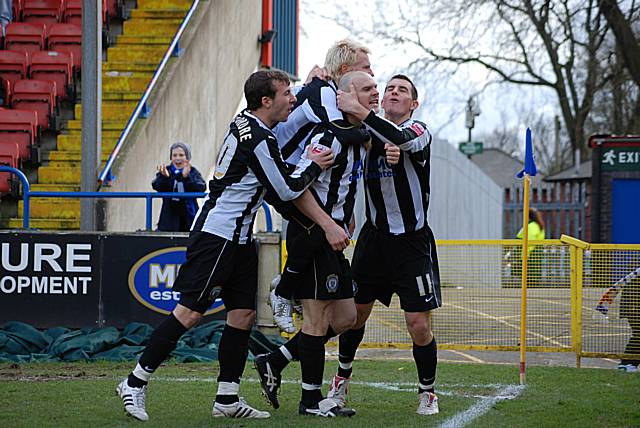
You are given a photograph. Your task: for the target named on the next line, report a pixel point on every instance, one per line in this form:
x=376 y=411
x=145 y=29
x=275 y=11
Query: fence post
x=576 y=249
x=149 y=210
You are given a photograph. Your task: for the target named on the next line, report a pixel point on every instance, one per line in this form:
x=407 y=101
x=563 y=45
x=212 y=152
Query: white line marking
x=470 y=357
x=461 y=419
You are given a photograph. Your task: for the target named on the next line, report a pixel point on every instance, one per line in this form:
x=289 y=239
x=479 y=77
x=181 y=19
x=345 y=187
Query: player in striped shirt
x=395 y=251
x=325 y=287
x=316 y=106
x=221 y=257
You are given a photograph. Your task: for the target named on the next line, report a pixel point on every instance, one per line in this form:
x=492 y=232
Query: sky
x=444 y=106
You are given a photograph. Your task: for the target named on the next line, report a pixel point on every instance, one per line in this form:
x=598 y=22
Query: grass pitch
x=382 y=392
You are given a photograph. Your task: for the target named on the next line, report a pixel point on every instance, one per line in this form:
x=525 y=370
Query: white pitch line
x=461 y=419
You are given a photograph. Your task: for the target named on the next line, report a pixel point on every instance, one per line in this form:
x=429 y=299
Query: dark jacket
x=177 y=214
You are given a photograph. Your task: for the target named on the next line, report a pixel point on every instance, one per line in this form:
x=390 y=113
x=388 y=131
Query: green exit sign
x=620 y=159
x=470 y=148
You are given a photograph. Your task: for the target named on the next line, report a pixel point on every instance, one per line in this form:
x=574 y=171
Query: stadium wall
x=197 y=99
x=465 y=202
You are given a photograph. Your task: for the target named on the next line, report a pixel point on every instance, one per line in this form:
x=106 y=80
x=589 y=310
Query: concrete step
x=55 y=187
x=75 y=126
x=123 y=96
x=111 y=84
x=58 y=175
x=52 y=208
x=63 y=158
x=141 y=54
x=47 y=224
x=144 y=40
x=150 y=27
x=124 y=67
x=73 y=142
x=111 y=110
x=158 y=13
x=164 y=4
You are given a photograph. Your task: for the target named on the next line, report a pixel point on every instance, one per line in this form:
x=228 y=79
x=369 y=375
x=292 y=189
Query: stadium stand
x=42 y=11
x=20 y=127
x=37 y=95
x=9 y=156
x=25 y=37
x=13 y=66
x=66 y=38
x=54 y=67
x=45 y=57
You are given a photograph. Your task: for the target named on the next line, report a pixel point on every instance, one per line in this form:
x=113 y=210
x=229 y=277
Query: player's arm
x=309 y=206
x=336 y=236
x=271 y=170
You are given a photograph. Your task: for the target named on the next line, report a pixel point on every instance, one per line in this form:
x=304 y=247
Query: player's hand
x=162 y=169
x=348 y=101
x=392 y=153
x=319 y=72
x=186 y=169
x=322 y=156
x=336 y=236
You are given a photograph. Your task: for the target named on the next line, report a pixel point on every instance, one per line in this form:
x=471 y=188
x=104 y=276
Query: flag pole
x=523 y=299
x=528 y=171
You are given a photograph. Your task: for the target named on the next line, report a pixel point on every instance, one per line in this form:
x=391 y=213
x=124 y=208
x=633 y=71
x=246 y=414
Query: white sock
x=141 y=373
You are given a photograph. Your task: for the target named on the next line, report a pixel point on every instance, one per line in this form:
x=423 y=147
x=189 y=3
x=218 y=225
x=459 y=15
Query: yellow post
x=525 y=257
x=578 y=310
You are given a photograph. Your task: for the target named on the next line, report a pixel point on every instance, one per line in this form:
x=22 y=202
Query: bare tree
x=626 y=40
x=555 y=45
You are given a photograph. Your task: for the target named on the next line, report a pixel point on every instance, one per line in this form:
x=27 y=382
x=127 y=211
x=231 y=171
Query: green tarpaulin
x=20 y=342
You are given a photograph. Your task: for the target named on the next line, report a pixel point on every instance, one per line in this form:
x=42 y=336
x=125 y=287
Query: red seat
x=13 y=65
x=9 y=156
x=44 y=11
x=72 y=13
x=20 y=127
x=55 y=67
x=25 y=37
x=67 y=38
x=37 y=95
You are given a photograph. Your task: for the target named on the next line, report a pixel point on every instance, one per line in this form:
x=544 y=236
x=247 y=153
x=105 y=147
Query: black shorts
x=214 y=265
x=405 y=264
x=327 y=277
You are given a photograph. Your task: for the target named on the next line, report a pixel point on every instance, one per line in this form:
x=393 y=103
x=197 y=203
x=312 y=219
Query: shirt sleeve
x=271 y=171
x=414 y=139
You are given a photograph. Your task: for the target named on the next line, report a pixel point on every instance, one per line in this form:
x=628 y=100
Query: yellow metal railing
x=481 y=291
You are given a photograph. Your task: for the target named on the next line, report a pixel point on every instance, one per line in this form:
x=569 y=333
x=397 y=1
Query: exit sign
x=470 y=148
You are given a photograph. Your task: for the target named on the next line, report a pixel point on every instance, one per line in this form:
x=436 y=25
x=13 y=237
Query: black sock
x=348 y=345
x=330 y=334
x=312 y=367
x=162 y=342
x=279 y=360
x=232 y=356
x=426 y=358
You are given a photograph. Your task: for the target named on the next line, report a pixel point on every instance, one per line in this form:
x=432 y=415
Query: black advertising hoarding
x=138 y=284
x=90 y=279
x=50 y=279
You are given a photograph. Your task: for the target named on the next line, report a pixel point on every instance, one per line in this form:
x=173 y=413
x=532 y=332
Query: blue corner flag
x=529 y=161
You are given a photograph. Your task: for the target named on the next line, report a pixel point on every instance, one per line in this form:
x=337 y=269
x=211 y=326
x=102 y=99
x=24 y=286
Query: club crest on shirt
x=332 y=283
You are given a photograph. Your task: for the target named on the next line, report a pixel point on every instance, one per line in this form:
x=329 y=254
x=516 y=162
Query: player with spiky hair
x=317 y=108
x=395 y=251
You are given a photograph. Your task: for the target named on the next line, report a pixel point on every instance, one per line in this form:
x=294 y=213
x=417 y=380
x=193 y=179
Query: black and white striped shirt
x=397 y=196
x=315 y=104
x=249 y=163
x=336 y=187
